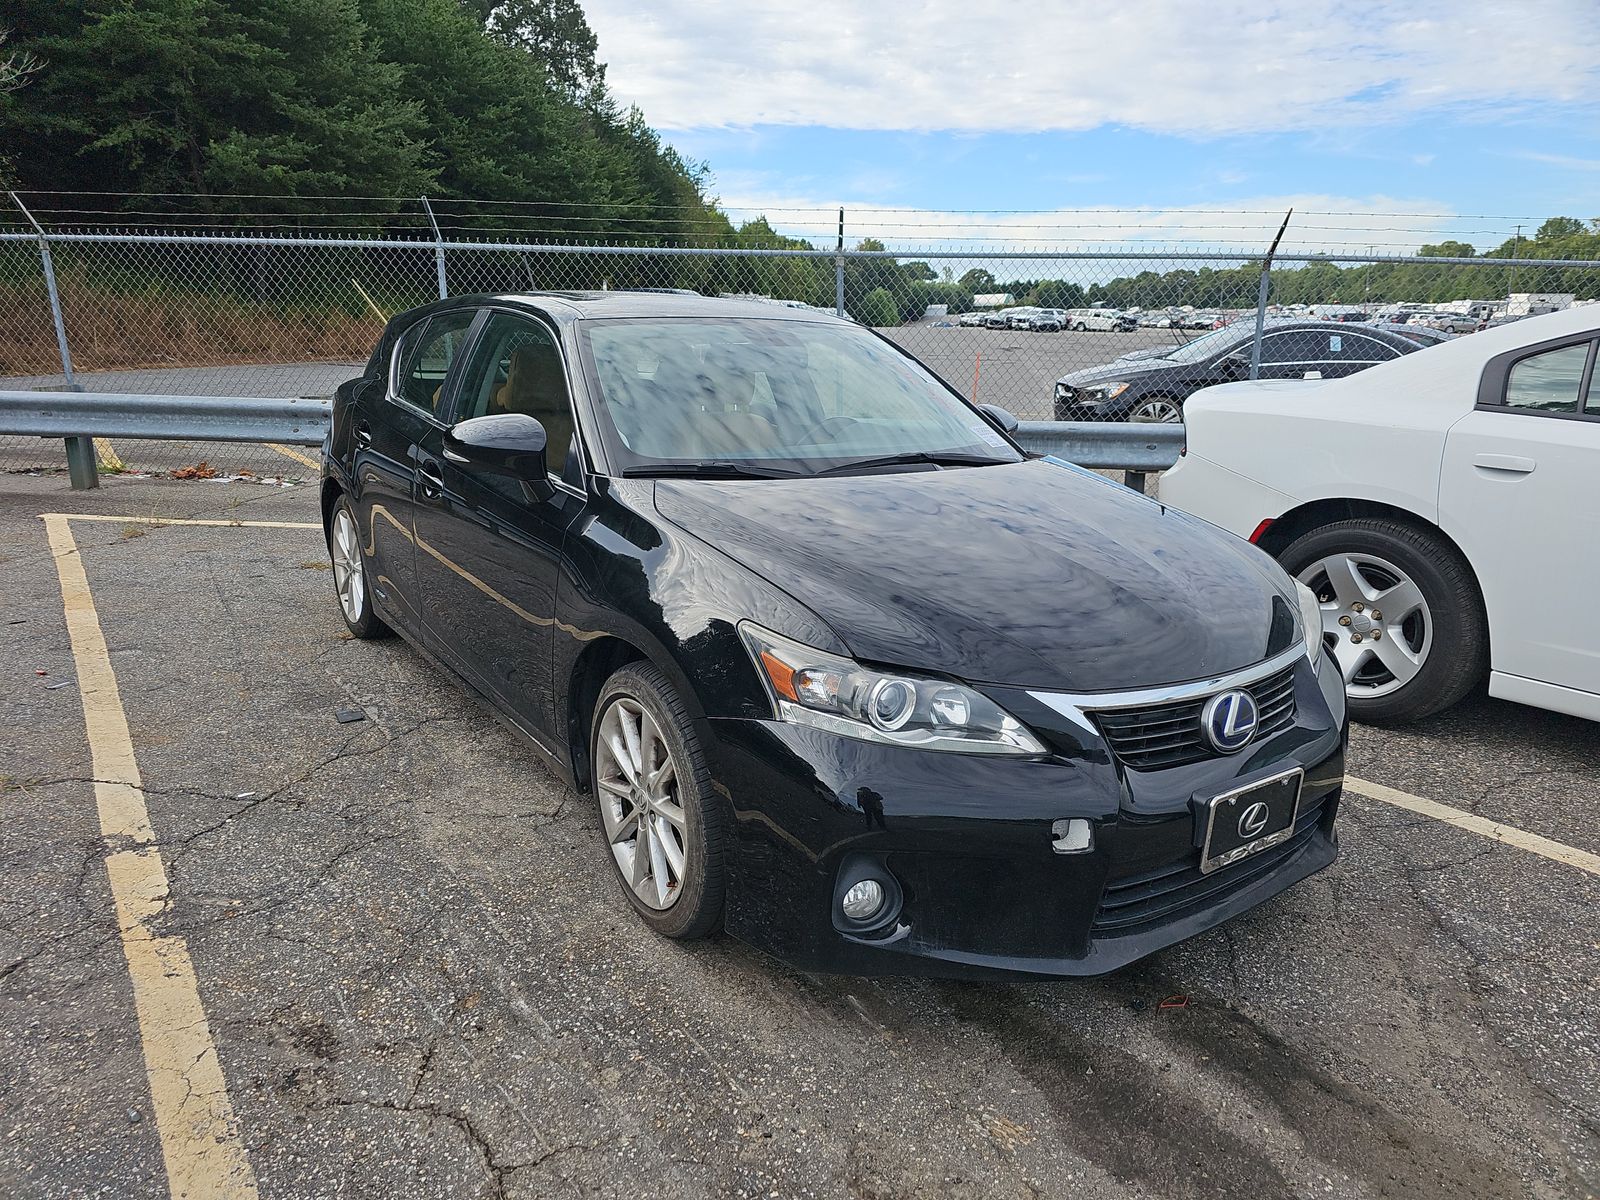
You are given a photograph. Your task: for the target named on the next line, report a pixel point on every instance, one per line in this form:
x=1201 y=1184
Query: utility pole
x=1516 y=249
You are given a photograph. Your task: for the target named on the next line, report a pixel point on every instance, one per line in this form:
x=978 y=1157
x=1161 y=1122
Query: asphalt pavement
x=419 y=980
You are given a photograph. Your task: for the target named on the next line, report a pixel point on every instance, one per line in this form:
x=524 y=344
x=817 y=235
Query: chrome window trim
x=1076 y=706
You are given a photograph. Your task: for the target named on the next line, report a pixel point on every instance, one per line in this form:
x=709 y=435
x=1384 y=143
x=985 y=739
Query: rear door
x=388 y=432
x=1520 y=492
x=489 y=548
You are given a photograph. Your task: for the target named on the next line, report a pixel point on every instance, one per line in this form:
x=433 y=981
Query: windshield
x=1218 y=341
x=798 y=396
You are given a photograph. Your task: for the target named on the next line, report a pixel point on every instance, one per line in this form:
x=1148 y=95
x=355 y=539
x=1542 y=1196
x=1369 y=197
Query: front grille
x=1168 y=735
x=1157 y=897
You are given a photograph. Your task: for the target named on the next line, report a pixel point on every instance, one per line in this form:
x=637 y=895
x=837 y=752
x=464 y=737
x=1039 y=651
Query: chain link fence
x=208 y=310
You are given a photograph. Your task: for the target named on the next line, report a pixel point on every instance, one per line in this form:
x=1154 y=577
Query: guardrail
x=79 y=417
x=1135 y=448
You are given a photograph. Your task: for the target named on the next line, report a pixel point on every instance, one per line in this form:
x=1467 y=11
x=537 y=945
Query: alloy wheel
x=636 y=782
x=348 y=578
x=1158 y=411
x=1375 y=620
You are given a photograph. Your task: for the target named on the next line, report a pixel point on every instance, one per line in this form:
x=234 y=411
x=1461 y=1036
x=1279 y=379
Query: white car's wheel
x=1401 y=615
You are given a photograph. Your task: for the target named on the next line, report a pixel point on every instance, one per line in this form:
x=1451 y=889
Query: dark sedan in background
x=840 y=669
x=1153 y=385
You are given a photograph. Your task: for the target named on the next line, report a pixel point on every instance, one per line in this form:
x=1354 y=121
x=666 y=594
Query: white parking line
x=133 y=519
x=200 y=1143
x=1482 y=826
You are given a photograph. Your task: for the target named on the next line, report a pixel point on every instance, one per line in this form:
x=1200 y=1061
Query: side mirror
x=506 y=443
x=998 y=417
x=1233 y=367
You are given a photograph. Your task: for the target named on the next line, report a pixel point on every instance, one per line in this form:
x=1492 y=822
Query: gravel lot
x=420 y=982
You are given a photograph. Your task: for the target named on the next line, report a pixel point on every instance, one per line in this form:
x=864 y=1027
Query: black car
x=1154 y=387
x=842 y=670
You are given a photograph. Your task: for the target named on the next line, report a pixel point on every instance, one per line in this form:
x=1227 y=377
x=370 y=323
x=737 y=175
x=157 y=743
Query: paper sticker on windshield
x=1335 y=343
x=986 y=435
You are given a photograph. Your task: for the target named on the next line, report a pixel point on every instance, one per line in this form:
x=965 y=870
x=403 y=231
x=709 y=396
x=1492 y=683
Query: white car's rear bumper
x=1223 y=497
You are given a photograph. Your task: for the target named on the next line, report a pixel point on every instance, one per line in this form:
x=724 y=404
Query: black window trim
x=1496 y=377
x=543 y=320
x=447 y=386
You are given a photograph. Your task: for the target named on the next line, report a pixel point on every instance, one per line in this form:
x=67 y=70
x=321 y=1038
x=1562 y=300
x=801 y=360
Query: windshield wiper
x=709 y=470
x=939 y=458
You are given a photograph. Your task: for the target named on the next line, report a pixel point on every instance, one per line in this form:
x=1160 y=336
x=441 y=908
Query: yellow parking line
x=1482 y=826
x=291 y=452
x=108 y=454
x=199 y=1133
x=149 y=520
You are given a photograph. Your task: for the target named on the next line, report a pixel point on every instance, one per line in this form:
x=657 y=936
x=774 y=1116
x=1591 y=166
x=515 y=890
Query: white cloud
x=1322 y=224
x=1562 y=160
x=1176 y=66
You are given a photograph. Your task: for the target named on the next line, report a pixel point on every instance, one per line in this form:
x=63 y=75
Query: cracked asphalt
x=422 y=983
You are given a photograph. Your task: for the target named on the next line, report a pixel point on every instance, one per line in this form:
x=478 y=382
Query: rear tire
x=1429 y=650
x=666 y=842
x=350 y=581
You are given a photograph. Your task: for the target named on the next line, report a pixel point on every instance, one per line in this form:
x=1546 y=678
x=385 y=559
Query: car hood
x=1035 y=574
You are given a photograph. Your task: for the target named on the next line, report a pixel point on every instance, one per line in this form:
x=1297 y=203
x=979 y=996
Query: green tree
x=555 y=35
x=1448 y=250
x=276 y=97
x=877 y=308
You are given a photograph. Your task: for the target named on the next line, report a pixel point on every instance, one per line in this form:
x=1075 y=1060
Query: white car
x=1445 y=508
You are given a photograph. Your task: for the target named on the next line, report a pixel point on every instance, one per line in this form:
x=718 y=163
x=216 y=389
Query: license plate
x=1250 y=819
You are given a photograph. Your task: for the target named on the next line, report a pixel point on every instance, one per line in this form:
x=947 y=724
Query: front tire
x=350 y=582
x=1158 y=410
x=1402 y=616
x=664 y=829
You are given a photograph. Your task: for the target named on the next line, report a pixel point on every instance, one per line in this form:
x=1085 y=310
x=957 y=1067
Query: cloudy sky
x=1414 y=118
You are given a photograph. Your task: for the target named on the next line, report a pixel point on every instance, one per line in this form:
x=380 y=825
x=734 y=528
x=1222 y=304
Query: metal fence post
x=438 y=250
x=1261 y=298
x=81 y=469
x=838 y=271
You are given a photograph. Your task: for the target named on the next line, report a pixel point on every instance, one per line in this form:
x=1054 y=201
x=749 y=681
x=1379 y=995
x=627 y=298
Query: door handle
x=1510 y=464
x=364 y=433
x=430 y=480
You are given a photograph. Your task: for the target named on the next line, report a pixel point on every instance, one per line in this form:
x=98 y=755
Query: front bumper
x=968 y=839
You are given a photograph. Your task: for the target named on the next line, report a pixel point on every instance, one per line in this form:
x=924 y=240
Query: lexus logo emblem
x=1252 y=821
x=1229 y=720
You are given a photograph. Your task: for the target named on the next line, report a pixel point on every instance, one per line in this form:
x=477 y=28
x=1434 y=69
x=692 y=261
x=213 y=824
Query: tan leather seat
x=536 y=385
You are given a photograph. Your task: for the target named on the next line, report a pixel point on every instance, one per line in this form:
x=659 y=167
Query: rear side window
x=1549 y=382
x=1353 y=348
x=425 y=356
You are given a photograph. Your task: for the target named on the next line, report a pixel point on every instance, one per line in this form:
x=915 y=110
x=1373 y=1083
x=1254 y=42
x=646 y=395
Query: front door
x=1520 y=492
x=390 y=424
x=489 y=547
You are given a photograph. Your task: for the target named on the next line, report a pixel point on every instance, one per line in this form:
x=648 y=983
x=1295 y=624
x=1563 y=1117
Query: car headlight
x=813 y=687
x=1102 y=392
x=1310 y=623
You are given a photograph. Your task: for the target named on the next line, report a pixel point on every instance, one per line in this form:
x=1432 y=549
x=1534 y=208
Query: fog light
x=1071 y=837
x=863 y=901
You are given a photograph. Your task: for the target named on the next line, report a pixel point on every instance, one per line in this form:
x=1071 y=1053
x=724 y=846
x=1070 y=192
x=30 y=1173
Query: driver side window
x=516 y=368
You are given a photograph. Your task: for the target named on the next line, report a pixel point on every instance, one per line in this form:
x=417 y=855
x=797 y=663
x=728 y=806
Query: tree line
x=251 y=108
